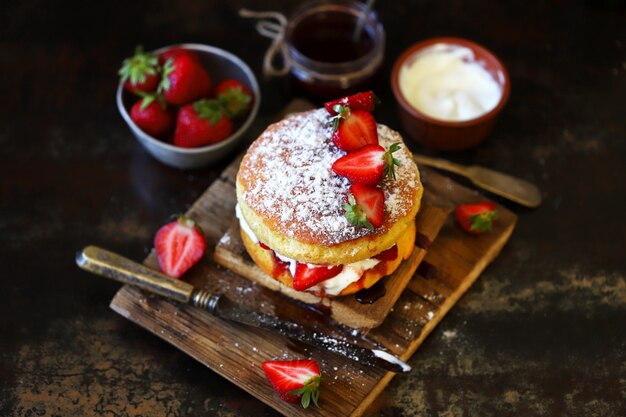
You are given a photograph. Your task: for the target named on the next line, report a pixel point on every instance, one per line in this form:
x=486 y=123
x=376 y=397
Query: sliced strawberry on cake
x=368 y=165
x=308 y=275
x=365 y=206
x=354 y=129
x=360 y=101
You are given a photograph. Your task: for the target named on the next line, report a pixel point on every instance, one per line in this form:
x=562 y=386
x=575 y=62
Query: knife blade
x=110 y=265
x=511 y=188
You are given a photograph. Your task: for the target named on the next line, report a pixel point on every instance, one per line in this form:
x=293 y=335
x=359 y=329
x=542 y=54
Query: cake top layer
x=288 y=181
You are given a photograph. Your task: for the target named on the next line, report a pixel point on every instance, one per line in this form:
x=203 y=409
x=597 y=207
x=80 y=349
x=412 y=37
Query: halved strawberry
x=179 y=245
x=308 y=275
x=364 y=166
x=365 y=206
x=235 y=97
x=354 y=129
x=368 y=164
x=476 y=218
x=294 y=381
x=388 y=255
x=360 y=101
x=139 y=73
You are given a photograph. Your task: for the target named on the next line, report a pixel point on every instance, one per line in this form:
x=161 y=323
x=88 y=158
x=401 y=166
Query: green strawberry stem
x=309 y=392
x=148 y=98
x=482 y=222
x=209 y=109
x=390 y=161
x=234 y=101
x=137 y=67
x=355 y=214
x=168 y=67
x=343 y=112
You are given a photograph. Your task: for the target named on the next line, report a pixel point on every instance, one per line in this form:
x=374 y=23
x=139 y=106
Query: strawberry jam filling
x=389 y=255
x=278 y=265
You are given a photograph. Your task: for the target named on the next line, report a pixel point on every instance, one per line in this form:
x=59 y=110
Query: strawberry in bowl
x=188 y=74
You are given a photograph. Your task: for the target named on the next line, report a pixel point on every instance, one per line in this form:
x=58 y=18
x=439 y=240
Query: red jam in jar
x=325 y=61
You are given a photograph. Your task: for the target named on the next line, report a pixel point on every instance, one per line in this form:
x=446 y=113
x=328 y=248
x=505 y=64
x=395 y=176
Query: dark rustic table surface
x=542 y=332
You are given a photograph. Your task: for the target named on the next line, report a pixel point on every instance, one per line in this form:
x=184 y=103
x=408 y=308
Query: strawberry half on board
x=295 y=381
x=184 y=80
x=201 y=123
x=309 y=275
x=354 y=129
x=360 y=101
x=140 y=73
x=365 y=206
x=179 y=245
x=476 y=218
x=367 y=165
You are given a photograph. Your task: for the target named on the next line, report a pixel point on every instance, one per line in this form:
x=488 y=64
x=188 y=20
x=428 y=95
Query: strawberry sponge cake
x=326 y=199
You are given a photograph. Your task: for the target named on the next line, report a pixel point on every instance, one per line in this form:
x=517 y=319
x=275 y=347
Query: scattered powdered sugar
x=289 y=178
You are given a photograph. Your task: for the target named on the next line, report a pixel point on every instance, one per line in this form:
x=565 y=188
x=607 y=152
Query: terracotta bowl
x=221 y=65
x=447 y=135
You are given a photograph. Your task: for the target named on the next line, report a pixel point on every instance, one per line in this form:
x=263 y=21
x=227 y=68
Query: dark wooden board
x=236 y=352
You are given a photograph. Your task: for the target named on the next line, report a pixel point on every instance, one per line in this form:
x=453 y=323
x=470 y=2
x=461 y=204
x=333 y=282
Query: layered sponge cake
x=292 y=207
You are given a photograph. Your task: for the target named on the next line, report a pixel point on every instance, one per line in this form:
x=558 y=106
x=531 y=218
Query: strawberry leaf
x=390 y=161
x=234 y=101
x=168 y=67
x=147 y=100
x=482 y=222
x=343 y=112
x=355 y=214
x=138 y=67
x=310 y=391
x=209 y=109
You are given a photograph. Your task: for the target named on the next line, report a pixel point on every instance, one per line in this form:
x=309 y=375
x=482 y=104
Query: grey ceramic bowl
x=221 y=65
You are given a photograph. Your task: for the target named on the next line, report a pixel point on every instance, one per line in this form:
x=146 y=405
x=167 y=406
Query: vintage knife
x=110 y=265
x=514 y=189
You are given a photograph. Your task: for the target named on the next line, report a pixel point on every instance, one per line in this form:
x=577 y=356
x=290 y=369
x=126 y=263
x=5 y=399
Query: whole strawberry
x=235 y=97
x=476 y=218
x=153 y=116
x=294 y=381
x=175 y=52
x=184 y=80
x=139 y=73
x=179 y=245
x=201 y=123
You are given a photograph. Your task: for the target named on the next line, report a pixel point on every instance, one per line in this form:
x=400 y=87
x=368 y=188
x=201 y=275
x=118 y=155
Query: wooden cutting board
x=450 y=267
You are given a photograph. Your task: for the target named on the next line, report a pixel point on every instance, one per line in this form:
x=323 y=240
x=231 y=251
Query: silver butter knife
x=504 y=185
x=110 y=265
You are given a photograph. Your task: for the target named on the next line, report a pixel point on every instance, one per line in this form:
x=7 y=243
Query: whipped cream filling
x=333 y=286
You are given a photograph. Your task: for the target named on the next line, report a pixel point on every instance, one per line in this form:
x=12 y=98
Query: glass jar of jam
x=324 y=59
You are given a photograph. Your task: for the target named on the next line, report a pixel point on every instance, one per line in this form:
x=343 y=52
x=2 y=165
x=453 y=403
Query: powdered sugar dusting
x=290 y=183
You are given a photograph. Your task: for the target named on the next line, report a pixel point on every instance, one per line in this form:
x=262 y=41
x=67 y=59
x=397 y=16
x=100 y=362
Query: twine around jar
x=272 y=26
